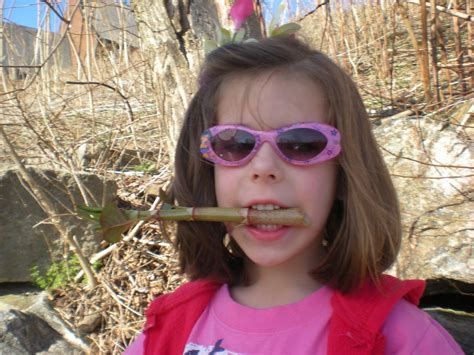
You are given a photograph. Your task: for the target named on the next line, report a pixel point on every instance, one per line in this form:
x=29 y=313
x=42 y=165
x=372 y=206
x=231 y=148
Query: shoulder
x=409 y=329
x=137 y=346
x=171 y=317
x=195 y=292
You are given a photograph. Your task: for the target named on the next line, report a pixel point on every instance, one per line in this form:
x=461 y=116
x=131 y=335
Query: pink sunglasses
x=298 y=144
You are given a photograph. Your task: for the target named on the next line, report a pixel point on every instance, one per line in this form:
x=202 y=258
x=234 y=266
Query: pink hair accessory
x=240 y=11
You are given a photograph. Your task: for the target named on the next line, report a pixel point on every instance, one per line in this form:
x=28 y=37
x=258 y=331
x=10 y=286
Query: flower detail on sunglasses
x=205 y=144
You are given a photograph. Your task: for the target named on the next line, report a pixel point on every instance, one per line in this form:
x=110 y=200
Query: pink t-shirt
x=227 y=327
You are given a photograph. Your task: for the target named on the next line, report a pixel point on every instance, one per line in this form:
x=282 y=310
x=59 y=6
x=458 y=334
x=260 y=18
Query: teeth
x=267 y=207
x=267 y=227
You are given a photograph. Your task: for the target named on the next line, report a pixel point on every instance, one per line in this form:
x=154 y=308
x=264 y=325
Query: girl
x=276 y=125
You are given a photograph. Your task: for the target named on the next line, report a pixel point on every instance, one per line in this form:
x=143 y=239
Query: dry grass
x=134 y=273
x=131 y=277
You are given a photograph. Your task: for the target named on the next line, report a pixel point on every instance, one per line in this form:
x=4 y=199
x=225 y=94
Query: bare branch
x=421 y=177
x=21 y=66
x=56 y=11
x=125 y=99
x=425 y=163
x=445 y=10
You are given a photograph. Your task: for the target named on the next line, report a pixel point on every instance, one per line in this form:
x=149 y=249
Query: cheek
x=222 y=181
x=319 y=189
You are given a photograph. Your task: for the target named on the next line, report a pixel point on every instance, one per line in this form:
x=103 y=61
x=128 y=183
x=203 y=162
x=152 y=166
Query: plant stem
x=287 y=216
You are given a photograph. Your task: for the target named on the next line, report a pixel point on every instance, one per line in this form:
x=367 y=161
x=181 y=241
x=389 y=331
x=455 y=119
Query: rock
x=459 y=324
x=26 y=333
x=89 y=323
x=19 y=296
x=29 y=325
x=25 y=235
x=450 y=302
x=123 y=158
x=42 y=308
x=443 y=291
x=437 y=213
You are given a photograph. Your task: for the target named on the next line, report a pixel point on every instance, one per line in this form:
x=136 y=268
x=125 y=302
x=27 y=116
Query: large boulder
x=29 y=325
x=26 y=235
x=429 y=162
x=24 y=333
x=459 y=324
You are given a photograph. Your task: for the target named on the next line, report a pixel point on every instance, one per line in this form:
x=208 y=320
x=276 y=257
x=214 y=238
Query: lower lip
x=267 y=235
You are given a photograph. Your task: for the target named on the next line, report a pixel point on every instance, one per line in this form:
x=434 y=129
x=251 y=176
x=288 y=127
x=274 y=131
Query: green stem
x=290 y=216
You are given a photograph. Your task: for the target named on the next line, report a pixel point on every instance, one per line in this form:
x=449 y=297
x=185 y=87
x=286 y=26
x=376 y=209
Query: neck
x=275 y=286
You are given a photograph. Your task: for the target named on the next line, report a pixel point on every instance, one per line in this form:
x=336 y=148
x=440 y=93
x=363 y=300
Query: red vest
x=354 y=328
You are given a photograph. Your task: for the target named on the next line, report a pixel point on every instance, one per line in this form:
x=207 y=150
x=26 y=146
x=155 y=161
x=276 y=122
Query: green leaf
x=276 y=17
x=224 y=36
x=113 y=234
x=239 y=35
x=90 y=213
x=286 y=29
x=112 y=215
x=210 y=45
x=111 y=220
x=114 y=222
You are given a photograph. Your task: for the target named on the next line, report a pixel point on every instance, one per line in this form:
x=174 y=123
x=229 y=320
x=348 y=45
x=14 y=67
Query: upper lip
x=265 y=202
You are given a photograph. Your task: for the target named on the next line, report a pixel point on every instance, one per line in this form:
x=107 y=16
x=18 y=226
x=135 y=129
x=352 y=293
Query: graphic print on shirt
x=216 y=349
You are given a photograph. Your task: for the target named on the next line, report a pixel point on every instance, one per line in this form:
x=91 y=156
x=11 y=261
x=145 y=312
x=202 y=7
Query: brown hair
x=363 y=229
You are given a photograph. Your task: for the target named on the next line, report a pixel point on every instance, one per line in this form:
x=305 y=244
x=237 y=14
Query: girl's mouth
x=267 y=227
x=266 y=232
x=266 y=207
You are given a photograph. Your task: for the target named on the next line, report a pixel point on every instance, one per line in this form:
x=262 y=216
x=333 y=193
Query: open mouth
x=266 y=207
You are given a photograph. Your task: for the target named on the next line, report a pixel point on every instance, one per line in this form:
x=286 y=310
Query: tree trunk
x=434 y=51
x=424 y=52
x=174 y=51
x=459 y=49
x=470 y=41
x=421 y=55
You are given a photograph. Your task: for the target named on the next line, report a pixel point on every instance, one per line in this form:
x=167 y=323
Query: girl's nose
x=266 y=165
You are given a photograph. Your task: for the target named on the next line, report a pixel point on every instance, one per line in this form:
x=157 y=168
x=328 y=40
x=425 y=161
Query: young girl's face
x=266 y=102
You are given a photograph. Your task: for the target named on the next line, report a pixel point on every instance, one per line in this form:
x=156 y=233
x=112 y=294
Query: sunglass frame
x=330 y=151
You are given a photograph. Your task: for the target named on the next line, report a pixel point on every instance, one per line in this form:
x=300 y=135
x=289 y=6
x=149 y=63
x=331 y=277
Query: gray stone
x=26 y=238
x=43 y=309
x=460 y=325
x=25 y=333
x=17 y=296
x=23 y=309
x=437 y=213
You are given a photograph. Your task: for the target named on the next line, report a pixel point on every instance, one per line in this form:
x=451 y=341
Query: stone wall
x=27 y=237
x=437 y=211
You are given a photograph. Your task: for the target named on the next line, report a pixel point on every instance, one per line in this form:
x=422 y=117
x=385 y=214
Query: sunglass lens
x=301 y=143
x=233 y=144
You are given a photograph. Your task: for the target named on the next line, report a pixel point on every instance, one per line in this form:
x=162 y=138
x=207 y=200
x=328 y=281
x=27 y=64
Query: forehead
x=270 y=100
